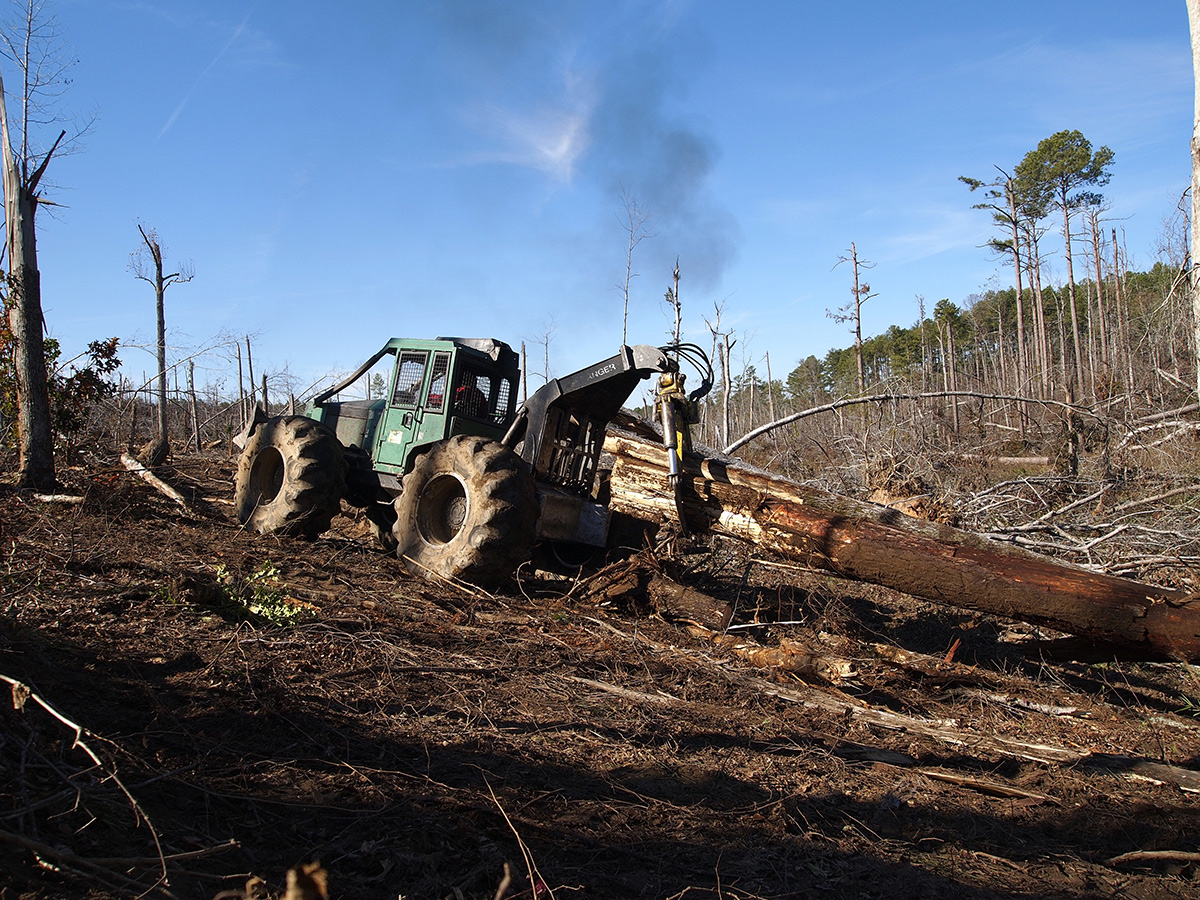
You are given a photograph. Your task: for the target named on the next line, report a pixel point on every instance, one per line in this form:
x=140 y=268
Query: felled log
x=925 y=559
x=638 y=581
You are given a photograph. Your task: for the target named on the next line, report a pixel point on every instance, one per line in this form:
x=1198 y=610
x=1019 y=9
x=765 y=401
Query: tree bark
x=159 y=447
x=36 y=466
x=1101 y=305
x=1193 y=8
x=1022 y=354
x=858 y=344
x=880 y=545
x=192 y=404
x=1075 y=339
x=36 y=439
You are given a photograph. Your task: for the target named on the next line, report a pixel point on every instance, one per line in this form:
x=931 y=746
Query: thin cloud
x=196 y=84
x=548 y=140
x=933 y=231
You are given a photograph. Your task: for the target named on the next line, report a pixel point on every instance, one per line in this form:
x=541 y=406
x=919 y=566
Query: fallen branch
x=945 y=731
x=1166 y=495
x=987 y=786
x=83 y=868
x=640 y=580
x=789 y=656
x=21 y=696
x=1154 y=856
x=885 y=398
x=628 y=694
x=158 y=484
x=937 y=669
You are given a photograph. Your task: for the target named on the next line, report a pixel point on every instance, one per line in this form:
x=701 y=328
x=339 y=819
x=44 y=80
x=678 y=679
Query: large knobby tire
x=291 y=478
x=468 y=510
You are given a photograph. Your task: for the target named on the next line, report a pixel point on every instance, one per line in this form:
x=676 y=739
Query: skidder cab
x=449 y=471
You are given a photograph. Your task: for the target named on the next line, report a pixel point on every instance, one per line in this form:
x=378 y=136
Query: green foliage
x=1061 y=164
x=262 y=595
x=839 y=371
x=74 y=388
x=947 y=314
x=73 y=395
x=1190 y=706
x=1157 y=283
x=805 y=384
x=747 y=381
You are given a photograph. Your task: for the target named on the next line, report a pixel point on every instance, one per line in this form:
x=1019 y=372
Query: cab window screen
x=410 y=375
x=504 y=396
x=473 y=394
x=436 y=398
x=484 y=396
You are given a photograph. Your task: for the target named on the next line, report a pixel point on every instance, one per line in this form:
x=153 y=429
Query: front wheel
x=291 y=477
x=468 y=511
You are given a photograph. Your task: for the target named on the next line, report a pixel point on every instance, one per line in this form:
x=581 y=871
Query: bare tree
x=1005 y=204
x=544 y=340
x=636 y=222
x=32 y=44
x=722 y=347
x=672 y=298
x=146 y=263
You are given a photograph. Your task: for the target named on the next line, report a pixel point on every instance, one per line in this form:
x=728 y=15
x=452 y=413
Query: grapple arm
x=560 y=428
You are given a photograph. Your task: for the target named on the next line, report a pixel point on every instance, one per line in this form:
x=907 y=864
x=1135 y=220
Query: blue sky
x=343 y=173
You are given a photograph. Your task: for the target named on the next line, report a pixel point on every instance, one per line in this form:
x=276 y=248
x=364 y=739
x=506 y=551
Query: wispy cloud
x=200 y=79
x=550 y=140
x=930 y=231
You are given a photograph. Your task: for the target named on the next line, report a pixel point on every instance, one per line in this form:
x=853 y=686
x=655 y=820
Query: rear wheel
x=291 y=478
x=468 y=510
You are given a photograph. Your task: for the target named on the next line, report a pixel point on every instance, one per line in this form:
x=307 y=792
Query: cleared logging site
x=201 y=711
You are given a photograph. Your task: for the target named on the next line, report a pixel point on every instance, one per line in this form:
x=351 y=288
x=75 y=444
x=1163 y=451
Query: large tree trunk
x=36 y=466
x=882 y=546
x=159 y=306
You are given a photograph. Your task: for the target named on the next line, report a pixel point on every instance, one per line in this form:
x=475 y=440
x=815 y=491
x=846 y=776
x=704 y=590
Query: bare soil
x=417 y=738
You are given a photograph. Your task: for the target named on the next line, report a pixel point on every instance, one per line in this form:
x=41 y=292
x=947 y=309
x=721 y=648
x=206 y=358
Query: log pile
x=925 y=559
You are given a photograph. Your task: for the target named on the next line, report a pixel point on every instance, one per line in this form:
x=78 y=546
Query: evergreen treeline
x=1112 y=342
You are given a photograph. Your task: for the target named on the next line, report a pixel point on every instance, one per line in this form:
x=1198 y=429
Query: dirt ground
x=167 y=740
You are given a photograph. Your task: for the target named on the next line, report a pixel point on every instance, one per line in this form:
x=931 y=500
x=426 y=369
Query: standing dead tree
x=852 y=311
x=33 y=48
x=722 y=347
x=146 y=263
x=672 y=298
x=636 y=222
